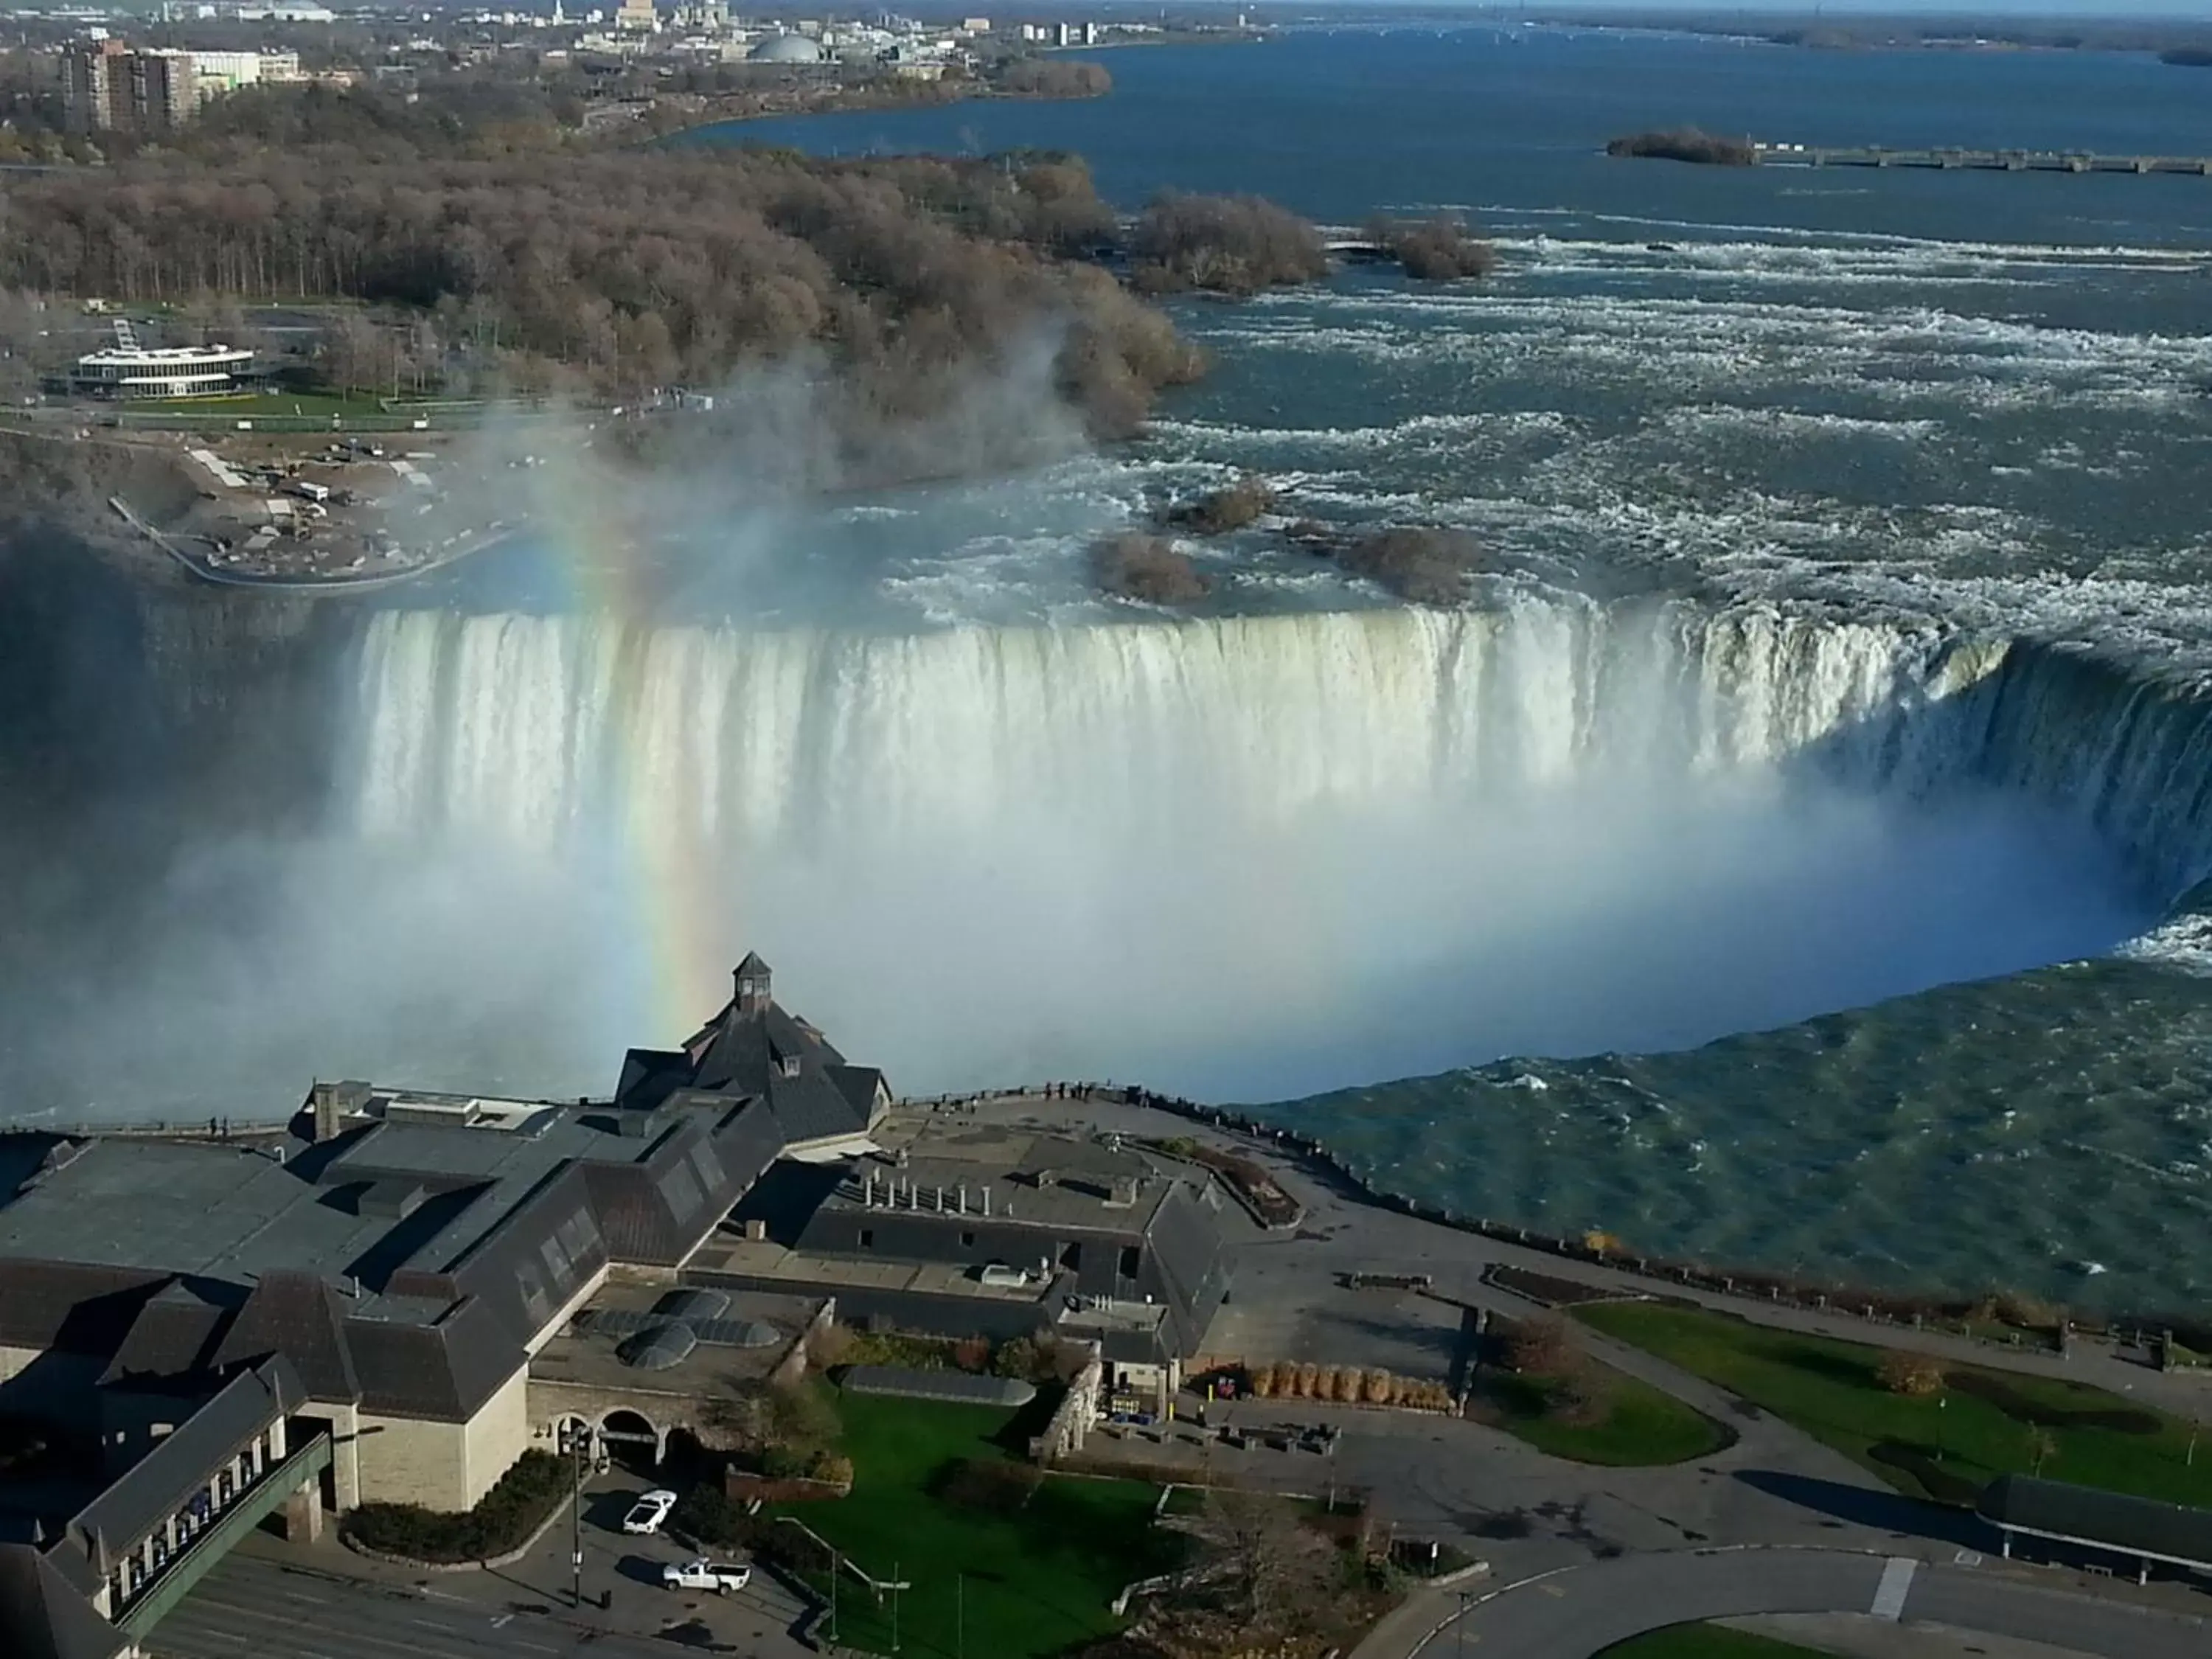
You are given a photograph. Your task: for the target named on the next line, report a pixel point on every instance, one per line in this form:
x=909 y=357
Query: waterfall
x=526 y=726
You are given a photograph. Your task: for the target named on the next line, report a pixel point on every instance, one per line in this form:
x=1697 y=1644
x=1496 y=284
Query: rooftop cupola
x=752 y=977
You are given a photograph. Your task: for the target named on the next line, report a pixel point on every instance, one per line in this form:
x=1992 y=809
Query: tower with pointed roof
x=754 y=980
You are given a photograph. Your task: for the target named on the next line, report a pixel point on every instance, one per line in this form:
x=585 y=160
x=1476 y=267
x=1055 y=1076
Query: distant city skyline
x=2085 y=11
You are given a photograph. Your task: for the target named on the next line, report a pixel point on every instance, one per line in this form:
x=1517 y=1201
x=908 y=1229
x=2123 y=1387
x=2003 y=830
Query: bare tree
x=1277 y=1566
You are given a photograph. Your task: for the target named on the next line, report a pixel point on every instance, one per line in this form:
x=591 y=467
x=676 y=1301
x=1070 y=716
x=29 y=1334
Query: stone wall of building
x=345 y=1422
x=497 y=1435
x=407 y=1460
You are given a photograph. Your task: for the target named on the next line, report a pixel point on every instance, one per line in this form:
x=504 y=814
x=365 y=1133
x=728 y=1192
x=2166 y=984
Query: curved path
x=1580 y=1611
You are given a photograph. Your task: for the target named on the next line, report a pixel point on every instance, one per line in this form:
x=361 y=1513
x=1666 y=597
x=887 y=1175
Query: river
x=1789 y=858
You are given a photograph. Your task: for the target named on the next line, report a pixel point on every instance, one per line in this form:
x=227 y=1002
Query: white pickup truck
x=719 y=1576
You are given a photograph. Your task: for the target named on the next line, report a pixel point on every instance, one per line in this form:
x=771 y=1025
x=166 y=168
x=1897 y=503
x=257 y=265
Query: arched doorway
x=631 y=1439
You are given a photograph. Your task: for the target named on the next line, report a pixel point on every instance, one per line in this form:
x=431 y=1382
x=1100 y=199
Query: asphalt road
x=1578 y=1613
x=254 y=1609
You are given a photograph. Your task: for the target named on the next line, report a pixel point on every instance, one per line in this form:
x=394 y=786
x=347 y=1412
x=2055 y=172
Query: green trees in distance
x=1686 y=144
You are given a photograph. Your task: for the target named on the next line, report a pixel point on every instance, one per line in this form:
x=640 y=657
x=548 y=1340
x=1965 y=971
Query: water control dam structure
x=1978 y=160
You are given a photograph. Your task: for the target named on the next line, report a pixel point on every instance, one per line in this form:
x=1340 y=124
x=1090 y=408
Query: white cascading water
x=523 y=724
x=1098 y=828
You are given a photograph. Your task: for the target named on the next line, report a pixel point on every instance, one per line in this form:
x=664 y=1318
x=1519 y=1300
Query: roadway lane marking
x=1896 y=1582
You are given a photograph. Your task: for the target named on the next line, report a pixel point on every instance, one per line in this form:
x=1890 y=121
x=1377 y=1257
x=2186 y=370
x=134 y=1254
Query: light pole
x=575 y=1431
x=897 y=1585
x=960 y=1615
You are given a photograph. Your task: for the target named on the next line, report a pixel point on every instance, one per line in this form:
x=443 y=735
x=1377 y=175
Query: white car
x=719 y=1576
x=646 y=1514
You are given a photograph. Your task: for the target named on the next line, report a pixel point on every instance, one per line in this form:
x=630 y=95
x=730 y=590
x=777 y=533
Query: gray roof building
x=967 y=1231
x=754 y=1051
x=2173 y=1534
x=42 y=1615
x=399 y=1255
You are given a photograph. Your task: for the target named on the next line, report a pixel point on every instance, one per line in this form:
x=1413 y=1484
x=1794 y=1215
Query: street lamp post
x=575 y=1432
x=897 y=1585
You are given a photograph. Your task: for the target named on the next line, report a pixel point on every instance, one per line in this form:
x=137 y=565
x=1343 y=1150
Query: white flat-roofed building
x=159 y=372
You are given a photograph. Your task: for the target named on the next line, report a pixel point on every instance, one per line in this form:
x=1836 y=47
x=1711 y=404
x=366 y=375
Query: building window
x=868 y=1239
x=1130 y=1256
x=967 y=1241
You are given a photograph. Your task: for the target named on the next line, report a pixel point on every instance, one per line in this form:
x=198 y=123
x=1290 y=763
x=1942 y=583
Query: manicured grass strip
x=1706 y=1642
x=1010 y=1586
x=1945 y=1446
x=247 y=406
x=1637 y=1426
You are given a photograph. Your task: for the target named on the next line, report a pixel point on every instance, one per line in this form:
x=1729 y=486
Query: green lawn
x=1704 y=1642
x=990 y=1585
x=1635 y=1425
x=1945 y=1446
x=312 y=405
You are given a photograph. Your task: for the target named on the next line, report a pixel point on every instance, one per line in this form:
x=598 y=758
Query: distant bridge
x=1980 y=161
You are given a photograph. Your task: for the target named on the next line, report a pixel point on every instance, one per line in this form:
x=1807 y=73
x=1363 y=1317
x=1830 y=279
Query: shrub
x=1230 y=507
x=1235 y=244
x=1428 y=567
x=709 y=1515
x=990 y=1487
x=1032 y=1359
x=1540 y=1347
x=972 y=1353
x=1325 y=1384
x=1308 y=1376
x=1263 y=1382
x=1380 y=1387
x=501 y=1521
x=2030 y=1313
x=827 y=1345
x=1915 y=1375
x=1438 y=250
x=1140 y=567
x=1053 y=78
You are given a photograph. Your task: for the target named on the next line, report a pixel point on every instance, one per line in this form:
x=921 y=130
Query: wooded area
x=623 y=270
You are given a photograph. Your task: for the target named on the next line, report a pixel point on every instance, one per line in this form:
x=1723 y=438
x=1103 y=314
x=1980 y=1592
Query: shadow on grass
x=1998 y=1392
x=1014 y=1435
x=1939 y=1479
x=1830 y=1367
x=1860 y=1506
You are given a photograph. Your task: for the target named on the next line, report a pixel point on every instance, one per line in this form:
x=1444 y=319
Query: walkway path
x=1345 y=1233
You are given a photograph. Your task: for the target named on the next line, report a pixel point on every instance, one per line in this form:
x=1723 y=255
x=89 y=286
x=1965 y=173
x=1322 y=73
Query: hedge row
x=503 y=1519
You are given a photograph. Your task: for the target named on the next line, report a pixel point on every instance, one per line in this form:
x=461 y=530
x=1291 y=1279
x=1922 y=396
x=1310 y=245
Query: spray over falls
x=1267 y=855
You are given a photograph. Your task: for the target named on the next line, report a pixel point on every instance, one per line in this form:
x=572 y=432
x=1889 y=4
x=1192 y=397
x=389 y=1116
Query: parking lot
x=324 y=1602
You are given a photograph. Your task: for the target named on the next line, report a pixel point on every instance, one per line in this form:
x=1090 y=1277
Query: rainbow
x=661 y=865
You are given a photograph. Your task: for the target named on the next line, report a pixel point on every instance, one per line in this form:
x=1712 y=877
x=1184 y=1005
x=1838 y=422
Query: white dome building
x=786 y=49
